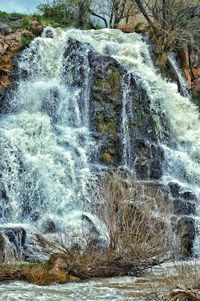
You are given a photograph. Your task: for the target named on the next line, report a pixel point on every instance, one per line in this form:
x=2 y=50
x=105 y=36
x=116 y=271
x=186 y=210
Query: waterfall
x=182 y=82
x=133 y=53
x=127 y=159
x=45 y=140
x=46 y=144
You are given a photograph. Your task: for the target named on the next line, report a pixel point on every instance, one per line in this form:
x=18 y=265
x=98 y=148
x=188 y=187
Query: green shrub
x=25 y=23
x=25 y=41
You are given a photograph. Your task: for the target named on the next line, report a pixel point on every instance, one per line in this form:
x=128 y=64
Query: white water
x=182 y=82
x=183 y=117
x=127 y=158
x=93 y=290
x=45 y=142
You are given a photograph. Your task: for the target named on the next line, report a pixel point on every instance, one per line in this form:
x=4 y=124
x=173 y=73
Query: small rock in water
x=49 y=226
x=49 y=33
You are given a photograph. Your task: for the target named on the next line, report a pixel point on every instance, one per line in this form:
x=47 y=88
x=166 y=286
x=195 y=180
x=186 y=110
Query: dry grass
x=39 y=274
x=138 y=225
x=182 y=285
x=127 y=28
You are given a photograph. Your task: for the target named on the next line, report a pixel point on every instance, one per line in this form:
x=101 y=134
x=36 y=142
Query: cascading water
x=45 y=140
x=182 y=82
x=127 y=159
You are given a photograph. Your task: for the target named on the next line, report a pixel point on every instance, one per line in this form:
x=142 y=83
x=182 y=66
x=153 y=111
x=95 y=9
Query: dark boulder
x=174 y=189
x=176 y=192
x=182 y=207
x=186 y=232
x=48 y=226
x=148 y=160
x=16 y=236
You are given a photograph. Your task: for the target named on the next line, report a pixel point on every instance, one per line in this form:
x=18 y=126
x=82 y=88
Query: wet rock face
x=184 y=203
x=189 y=59
x=16 y=235
x=109 y=80
x=148 y=160
x=109 y=85
x=106 y=104
x=12 y=238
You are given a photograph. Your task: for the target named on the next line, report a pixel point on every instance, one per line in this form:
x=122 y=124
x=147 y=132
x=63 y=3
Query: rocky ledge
x=12 y=42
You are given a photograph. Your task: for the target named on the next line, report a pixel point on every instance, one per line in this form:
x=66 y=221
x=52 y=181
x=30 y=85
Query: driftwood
x=107 y=269
x=100 y=265
x=185 y=295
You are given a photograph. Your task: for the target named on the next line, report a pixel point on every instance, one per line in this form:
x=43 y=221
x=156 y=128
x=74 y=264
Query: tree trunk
x=145 y=14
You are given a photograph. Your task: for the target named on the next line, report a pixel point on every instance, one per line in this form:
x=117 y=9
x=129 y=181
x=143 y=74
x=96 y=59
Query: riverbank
x=157 y=283
x=62 y=268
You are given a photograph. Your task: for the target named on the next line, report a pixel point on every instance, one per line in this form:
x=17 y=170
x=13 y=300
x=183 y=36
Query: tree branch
x=145 y=14
x=100 y=17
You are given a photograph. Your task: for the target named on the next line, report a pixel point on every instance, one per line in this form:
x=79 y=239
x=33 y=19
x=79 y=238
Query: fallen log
x=70 y=267
x=94 y=265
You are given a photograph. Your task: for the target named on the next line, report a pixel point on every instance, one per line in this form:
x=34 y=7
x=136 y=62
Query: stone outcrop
x=186 y=231
x=12 y=240
x=11 y=43
x=136 y=23
x=108 y=81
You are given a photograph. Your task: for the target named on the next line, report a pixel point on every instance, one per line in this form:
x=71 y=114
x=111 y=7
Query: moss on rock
x=107 y=158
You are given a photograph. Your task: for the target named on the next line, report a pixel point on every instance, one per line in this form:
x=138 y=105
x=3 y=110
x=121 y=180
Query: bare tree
x=113 y=11
x=173 y=20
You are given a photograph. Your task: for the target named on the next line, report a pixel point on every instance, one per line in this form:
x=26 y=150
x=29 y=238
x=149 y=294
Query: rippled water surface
x=109 y=289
